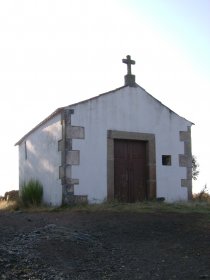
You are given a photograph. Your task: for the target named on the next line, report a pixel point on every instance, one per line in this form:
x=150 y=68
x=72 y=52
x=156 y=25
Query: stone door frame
x=151 y=159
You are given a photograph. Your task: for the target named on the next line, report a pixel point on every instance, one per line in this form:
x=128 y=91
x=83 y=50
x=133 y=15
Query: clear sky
x=57 y=52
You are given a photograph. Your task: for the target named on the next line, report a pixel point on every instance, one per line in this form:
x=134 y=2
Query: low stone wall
x=11 y=195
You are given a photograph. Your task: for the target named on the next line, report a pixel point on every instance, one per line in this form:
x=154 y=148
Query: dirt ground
x=104 y=245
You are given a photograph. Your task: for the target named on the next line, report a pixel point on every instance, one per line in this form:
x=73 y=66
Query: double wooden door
x=130 y=172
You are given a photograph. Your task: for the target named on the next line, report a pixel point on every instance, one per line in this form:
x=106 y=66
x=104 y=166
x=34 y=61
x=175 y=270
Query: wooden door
x=130 y=171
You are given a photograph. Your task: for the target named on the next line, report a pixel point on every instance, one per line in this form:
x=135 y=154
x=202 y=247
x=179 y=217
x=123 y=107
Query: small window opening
x=166 y=159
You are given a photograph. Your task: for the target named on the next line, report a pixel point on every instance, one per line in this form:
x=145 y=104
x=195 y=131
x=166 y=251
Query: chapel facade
x=122 y=145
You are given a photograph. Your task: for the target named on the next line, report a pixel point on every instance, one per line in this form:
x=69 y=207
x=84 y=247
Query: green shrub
x=31 y=193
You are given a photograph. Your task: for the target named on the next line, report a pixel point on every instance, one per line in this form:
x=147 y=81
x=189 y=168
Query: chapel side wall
x=40 y=159
x=169 y=177
x=130 y=110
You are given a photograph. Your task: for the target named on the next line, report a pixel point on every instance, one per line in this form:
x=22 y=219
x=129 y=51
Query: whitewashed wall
x=133 y=110
x=43 y=160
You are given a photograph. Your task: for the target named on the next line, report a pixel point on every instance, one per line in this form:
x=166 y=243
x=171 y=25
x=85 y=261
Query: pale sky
x=56 y=52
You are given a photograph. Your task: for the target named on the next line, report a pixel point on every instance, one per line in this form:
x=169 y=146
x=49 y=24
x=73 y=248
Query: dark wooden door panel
x=138 y=170
x=130 y=170
x=122 y=177
x=121 y=172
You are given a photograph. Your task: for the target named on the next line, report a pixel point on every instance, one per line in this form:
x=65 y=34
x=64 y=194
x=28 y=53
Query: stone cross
x=129 y=78
x=129 y=62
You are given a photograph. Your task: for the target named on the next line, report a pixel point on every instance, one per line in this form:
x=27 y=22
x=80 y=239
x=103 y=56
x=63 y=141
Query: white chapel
x=122 y=145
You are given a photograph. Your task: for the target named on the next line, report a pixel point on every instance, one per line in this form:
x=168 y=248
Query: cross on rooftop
x=129 y=62
x=129 y=78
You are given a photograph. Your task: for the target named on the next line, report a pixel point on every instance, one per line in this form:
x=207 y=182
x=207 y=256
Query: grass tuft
x=31 y=193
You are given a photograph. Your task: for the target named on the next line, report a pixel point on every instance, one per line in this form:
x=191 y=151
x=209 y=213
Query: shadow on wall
x=40 y=158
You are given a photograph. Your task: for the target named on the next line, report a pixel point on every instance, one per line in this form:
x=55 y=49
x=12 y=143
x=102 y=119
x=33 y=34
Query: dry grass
x=202 y=196
x=9 y=205
x=199 y=204
x=147 y=207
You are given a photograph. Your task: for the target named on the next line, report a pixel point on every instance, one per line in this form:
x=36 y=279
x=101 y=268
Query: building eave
x=164 y=105
x=56 y=112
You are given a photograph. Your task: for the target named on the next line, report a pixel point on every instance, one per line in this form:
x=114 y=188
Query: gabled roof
x=61 y=109
x=56 y=112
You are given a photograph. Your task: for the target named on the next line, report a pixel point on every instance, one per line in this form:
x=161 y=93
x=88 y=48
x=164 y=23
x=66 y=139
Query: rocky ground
x=104 y=245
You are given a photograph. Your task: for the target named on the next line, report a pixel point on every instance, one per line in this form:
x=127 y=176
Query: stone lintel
x=117 y=134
